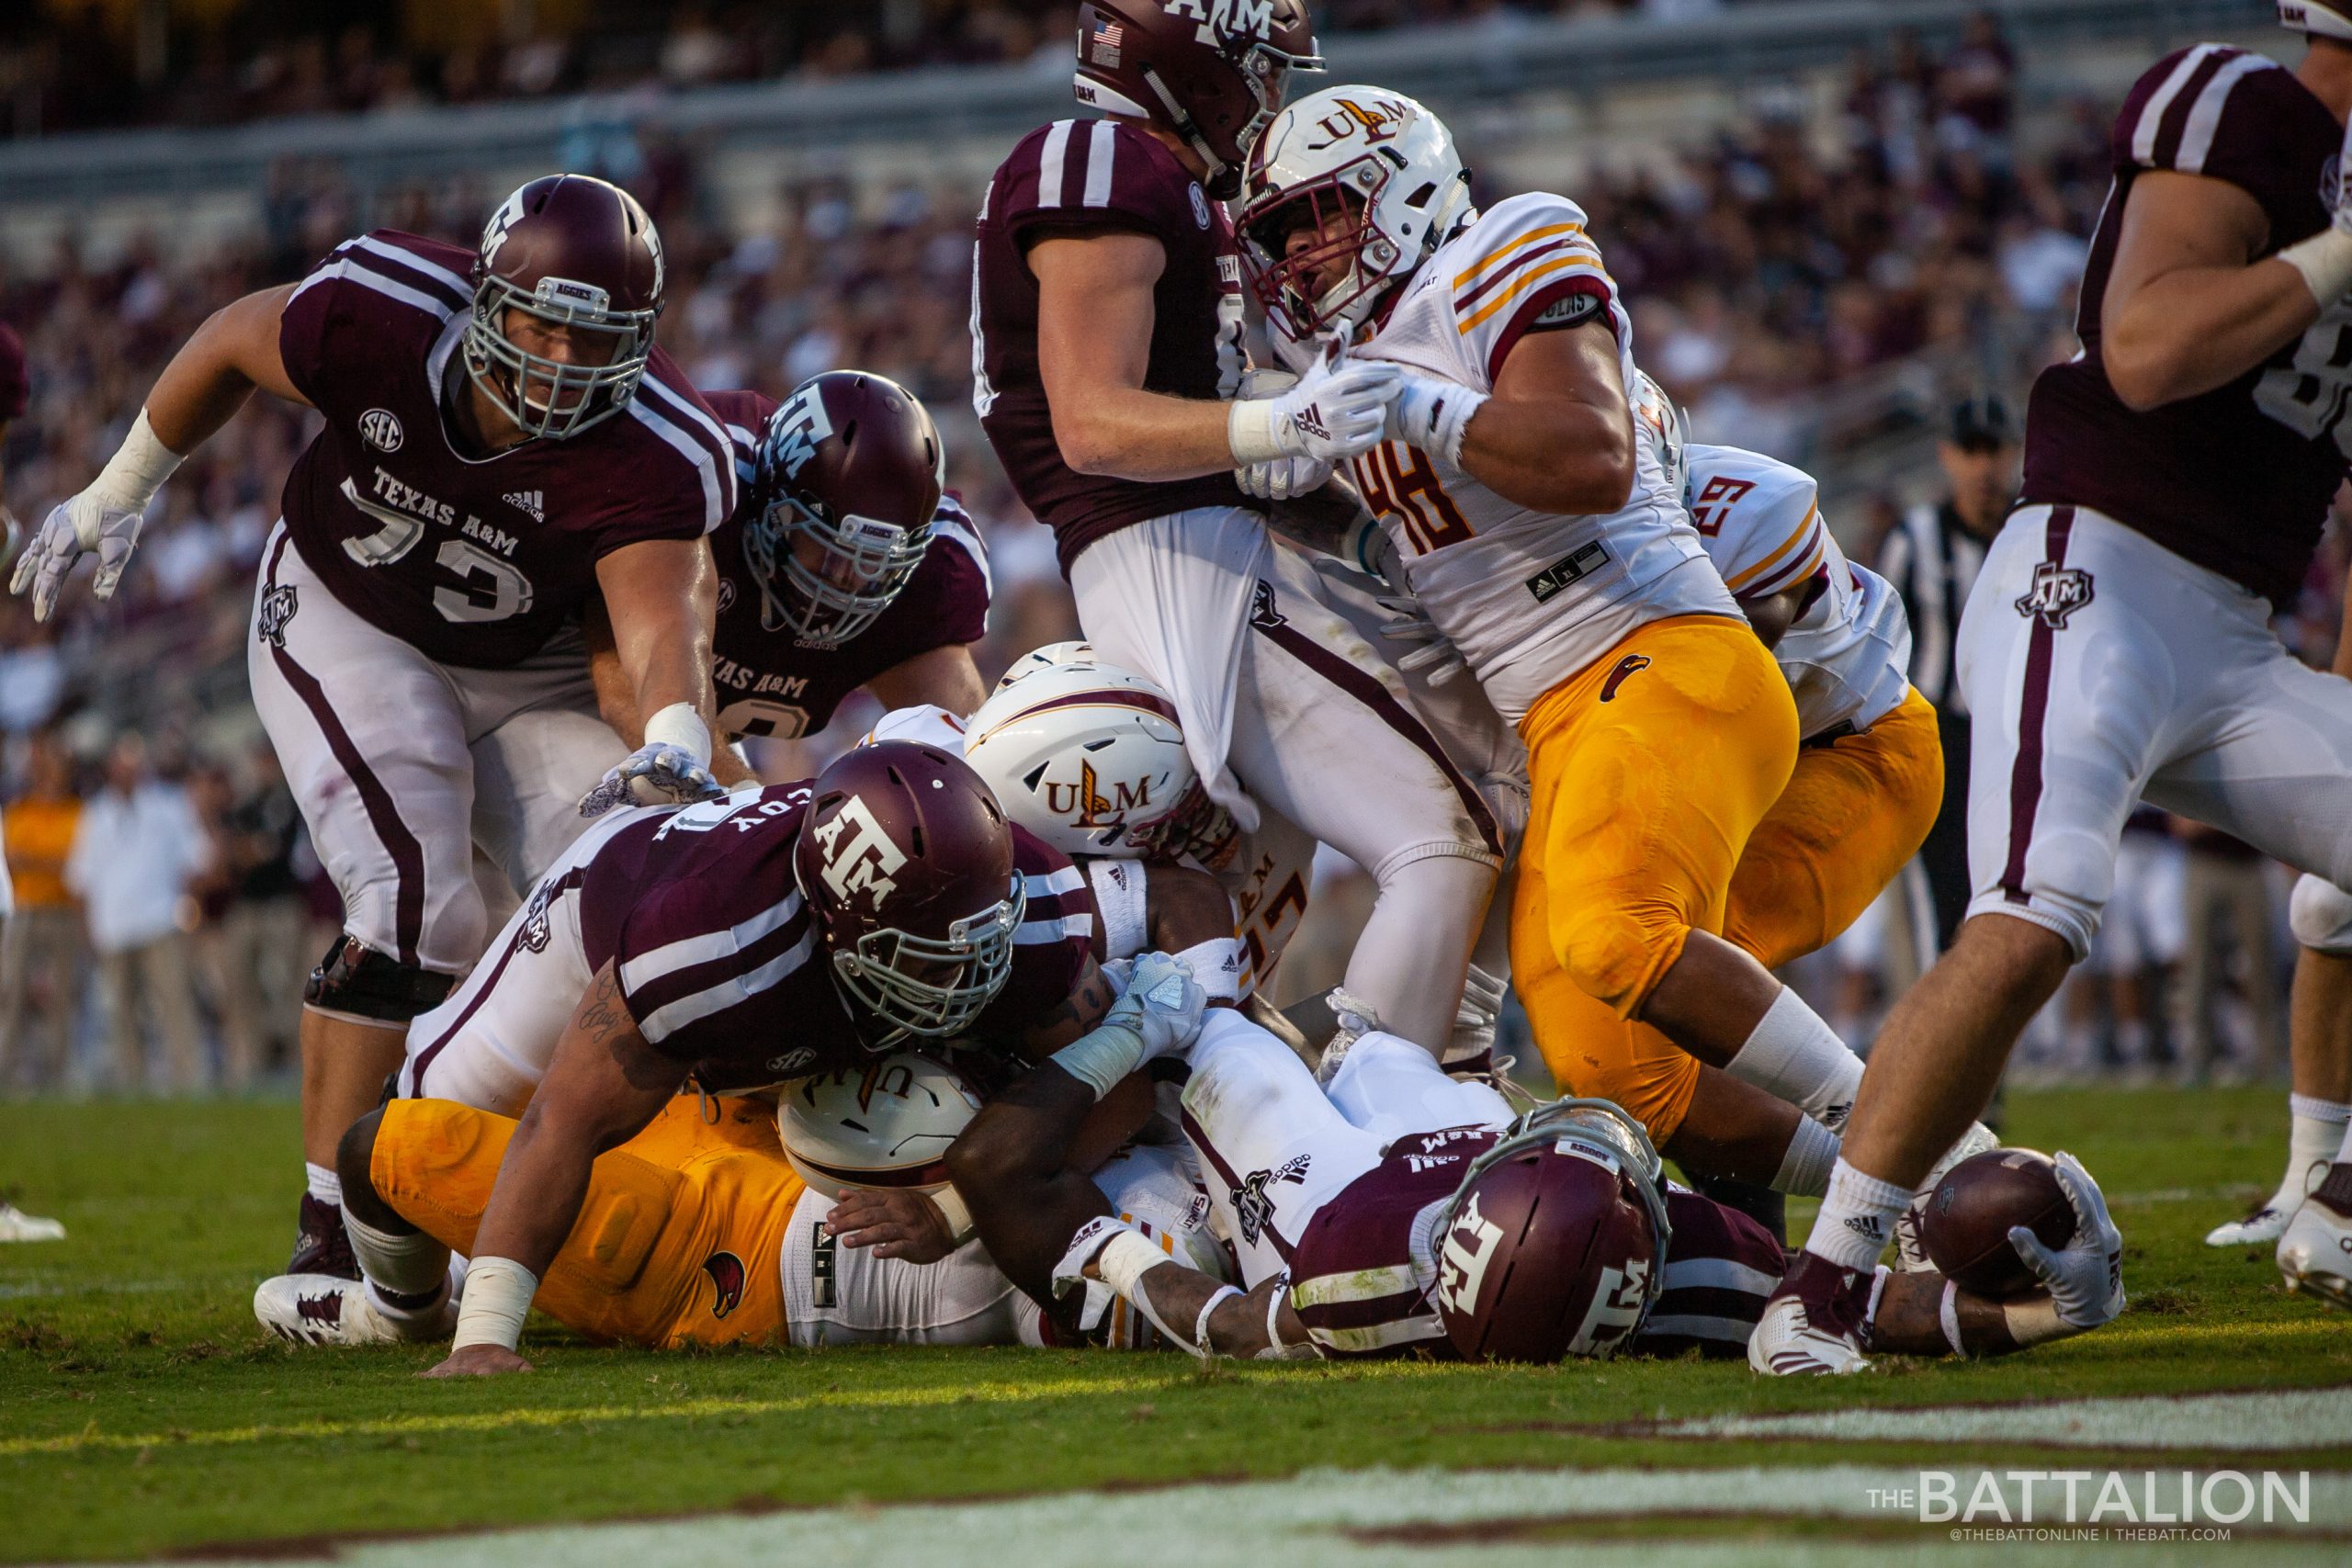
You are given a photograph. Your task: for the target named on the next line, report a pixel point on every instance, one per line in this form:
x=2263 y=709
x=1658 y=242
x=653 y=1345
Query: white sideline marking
x=1301 y=1521
x=2283 y=1419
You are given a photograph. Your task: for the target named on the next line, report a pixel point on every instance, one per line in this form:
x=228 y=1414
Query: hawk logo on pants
x=1627 y=667
x=1252 y=1207
x=725 y=1271
x=2057 y=592
x=277 y=608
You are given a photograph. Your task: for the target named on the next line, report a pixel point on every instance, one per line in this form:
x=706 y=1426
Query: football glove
x=105 y=519
x=1278 y=479
x=2085 y=1277
x=657 y=774
x=1434 y=658
x=1162 y=1004
x=1431 y=414
x=1336 y=410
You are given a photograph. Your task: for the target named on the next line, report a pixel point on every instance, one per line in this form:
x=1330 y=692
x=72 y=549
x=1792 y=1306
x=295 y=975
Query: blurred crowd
x=1786 y=273
x=77 y=64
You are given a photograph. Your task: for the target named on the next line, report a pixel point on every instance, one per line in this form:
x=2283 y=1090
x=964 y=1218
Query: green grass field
x=142 y=1412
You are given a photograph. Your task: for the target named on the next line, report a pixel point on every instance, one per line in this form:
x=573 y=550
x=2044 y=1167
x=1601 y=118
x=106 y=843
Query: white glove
x=1431 y=413
x=1436 y=659
x=104 y=518
x=1281 y=478
x=2085 y=1280
x=1162 y=1004
x=1336 y=410
x=673 y=766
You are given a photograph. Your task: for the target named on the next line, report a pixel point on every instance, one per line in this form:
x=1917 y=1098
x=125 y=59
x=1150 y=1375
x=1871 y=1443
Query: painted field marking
x=1367 y=1518
x=2270 y=1421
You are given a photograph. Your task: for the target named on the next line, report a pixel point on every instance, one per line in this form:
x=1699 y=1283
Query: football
x=1966 y=1223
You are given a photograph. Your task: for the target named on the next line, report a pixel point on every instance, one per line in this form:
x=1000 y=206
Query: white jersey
x=1528 y=597
x=1848 y=657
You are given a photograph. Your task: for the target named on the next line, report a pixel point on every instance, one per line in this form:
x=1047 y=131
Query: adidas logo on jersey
x=529 y=502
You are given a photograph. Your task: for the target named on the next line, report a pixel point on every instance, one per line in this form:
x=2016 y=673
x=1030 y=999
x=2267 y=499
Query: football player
x=845 y=565
x=681 y=941
x=1107 y=321
x=2117 y=645
x=1865 y=790
x=703 y=1230
x=502 y=443
x=1545 y=541
x=1401 y=1212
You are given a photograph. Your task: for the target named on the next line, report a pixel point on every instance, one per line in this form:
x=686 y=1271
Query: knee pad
x=355 y=981
x=2320 y=914
x=1615 y=956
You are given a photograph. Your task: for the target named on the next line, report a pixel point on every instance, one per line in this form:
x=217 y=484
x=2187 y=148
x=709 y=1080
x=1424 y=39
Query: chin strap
x=1185 y=126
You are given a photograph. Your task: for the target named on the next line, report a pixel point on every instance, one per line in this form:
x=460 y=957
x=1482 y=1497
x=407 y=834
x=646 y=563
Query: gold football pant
x=1854 y=811
x=679 y=1239
x=1650 y=768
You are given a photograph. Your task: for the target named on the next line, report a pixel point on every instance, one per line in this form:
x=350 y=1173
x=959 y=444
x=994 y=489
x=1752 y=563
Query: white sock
x=407 y=1275
x=1792 y=1054
x=324 y=1184
x=1804 y=1167
x=1856 y=1218
x=2318 y=1133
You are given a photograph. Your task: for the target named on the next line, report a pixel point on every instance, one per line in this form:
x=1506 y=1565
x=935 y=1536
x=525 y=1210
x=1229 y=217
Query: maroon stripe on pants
x=2025 y=773
x=407 y=854
x=1366 y=689
x=570 y=880
x=1232 y=1182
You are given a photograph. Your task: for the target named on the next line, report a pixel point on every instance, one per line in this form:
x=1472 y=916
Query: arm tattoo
x=602 y=1013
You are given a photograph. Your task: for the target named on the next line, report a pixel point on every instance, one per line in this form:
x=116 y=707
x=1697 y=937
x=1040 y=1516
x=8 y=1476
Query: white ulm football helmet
x=1053 y=655
x=887 y=1124
x=1087 y=756
x=1356 y=152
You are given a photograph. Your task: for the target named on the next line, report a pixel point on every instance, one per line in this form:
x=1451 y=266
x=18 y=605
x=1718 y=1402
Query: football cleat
x=17 y=1225
x=2316 y=1251
x=2263 y=1224
x=320 y=1245
x=321 y=1309
x=1817 y=1323
x=1910 y=1252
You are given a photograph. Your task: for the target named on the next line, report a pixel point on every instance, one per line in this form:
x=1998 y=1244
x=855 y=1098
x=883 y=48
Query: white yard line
x=2260 y=1422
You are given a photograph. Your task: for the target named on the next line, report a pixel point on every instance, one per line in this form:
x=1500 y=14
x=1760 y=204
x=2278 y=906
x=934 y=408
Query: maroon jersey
x=472 y=562
x=722 y=967
x=2236 y=480
x=1088 y=176
x=770 y=681
x=1362 y=1278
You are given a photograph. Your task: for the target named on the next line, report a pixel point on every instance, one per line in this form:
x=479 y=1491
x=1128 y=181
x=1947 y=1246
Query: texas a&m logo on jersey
x=2057 y=592
x=1252 y=1208
x=859 y=855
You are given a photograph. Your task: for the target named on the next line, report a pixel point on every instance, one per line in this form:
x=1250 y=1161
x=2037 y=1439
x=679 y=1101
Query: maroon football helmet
x=906 y=860
x=574 y=251
x=1555 y=1244
x=849 y=473
x=1212 y=71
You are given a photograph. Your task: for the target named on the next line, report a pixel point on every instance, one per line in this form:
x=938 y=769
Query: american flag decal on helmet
x=1104 y=47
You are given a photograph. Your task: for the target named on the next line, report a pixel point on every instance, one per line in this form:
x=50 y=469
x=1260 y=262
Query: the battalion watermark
x=2100 y=1505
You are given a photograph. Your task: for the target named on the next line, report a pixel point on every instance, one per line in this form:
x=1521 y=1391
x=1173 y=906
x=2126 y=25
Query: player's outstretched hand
x=479 y=1362
x=89 y=522
x=895 y=1223
x=654 y=774
x=2085 y=1277
x=1431 y=413
x=1433 y=655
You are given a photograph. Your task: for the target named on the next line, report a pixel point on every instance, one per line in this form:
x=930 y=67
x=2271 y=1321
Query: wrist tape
x=1100 y=1058
x=1249 y=432
x=137 y=471
x=679 y=725
x=498 y=1298
x=2325 y=261
x=2034 y=1320
x=957 y=1213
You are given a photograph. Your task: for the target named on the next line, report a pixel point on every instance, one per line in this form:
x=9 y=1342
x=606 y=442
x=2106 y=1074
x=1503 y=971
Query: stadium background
x=1835 y=220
